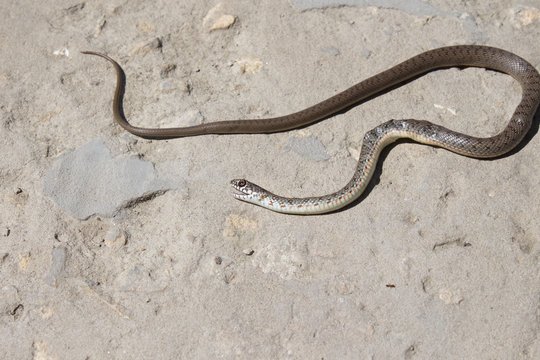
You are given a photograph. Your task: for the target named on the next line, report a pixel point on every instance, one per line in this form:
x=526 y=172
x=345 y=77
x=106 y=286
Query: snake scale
x=379 y=137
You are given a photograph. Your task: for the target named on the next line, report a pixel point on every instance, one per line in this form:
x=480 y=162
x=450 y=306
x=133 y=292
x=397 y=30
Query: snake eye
x=242 y=183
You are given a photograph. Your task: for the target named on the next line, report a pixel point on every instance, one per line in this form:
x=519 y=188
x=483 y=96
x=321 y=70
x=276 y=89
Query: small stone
x=223 y=22
x=145 y=27
x=345 y=287
x=248 y=252
x=450 y=297
x=248 y=65
x=46 y=312
x=145 y=47
x=61 y=52
x=448 y=109
x=99 y=27
x=218 y=18
x=355 y=154
x=115 y=238
x=192 y=239
x=24 y=261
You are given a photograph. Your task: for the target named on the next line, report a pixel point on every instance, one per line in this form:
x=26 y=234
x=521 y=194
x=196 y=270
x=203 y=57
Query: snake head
x=247 y=191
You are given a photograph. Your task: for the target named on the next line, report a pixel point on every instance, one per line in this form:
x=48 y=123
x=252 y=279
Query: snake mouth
x=238 y=194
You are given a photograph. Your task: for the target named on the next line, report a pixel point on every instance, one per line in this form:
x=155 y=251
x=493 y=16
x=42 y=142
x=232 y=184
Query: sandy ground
x=115 y=247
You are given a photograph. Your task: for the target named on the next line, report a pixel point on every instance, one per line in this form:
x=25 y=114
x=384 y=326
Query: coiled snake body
x=376 y=139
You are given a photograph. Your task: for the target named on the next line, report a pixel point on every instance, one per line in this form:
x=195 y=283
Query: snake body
x=376 y=139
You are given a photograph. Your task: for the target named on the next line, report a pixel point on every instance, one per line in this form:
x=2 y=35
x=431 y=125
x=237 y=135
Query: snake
x=375 y=140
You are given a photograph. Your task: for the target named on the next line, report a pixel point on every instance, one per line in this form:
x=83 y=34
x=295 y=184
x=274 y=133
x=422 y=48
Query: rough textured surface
x=438 y=260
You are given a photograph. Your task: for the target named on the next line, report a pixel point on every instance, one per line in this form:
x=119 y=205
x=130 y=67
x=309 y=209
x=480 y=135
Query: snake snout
x=242 y=186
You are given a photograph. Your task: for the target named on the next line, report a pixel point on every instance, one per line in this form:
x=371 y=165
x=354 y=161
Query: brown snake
x=376 y=139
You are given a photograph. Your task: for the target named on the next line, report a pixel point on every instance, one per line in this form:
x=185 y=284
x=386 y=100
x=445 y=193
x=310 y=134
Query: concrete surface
x=116 y=247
